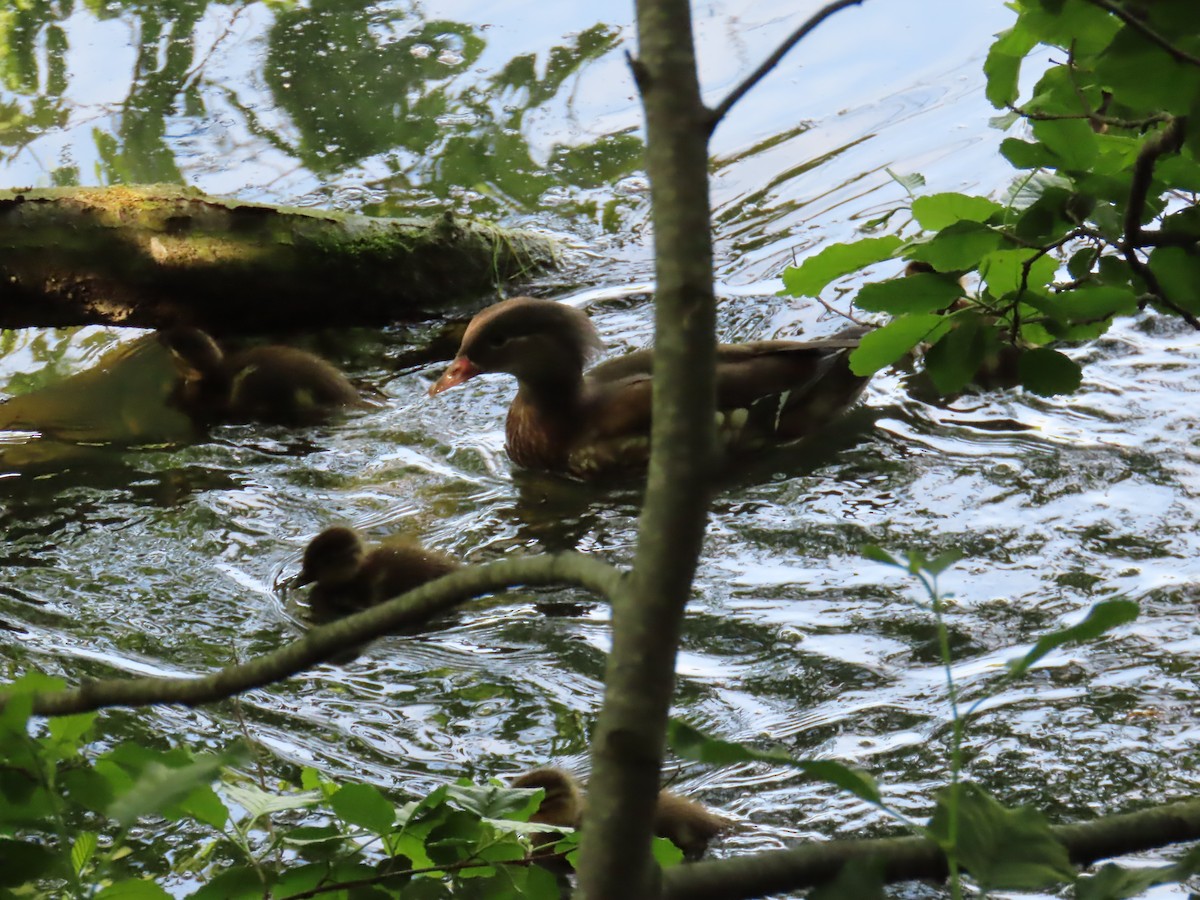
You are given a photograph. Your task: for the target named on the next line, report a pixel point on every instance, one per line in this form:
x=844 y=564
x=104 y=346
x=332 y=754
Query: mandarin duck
x=592 y=424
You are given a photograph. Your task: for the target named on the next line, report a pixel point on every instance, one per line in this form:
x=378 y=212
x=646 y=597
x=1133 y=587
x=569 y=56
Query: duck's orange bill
x=462 y=369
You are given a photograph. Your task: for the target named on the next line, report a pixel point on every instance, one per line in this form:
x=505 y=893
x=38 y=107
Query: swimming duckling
x=274 y=384
x=685 y=823
x=350 y=577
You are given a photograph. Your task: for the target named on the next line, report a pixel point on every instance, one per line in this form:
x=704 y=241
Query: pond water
x=169 y=559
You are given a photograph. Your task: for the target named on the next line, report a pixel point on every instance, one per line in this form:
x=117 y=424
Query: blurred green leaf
x=1003 y=64
x=160 y=786
x=858 y=880
x=878 y=554
x=811 y=276
x=1048 y=372
x=363 y=805
x=1101 y=618
x=257 y=802
x=953 y=361
x=1003 y=849
x=83 y=849
x=1178 y=272
x=885 y=345
x=1004 y=270
x=135 y=889
x=691 y=743
x=920 y=293
x=26 y=863
x=937 y=211
x=957 y=247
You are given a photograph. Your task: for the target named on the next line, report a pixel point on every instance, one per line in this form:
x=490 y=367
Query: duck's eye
x=496 y=341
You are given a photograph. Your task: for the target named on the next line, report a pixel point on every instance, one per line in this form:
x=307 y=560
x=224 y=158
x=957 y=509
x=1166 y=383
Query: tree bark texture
x=158 y=255
x=627 y=749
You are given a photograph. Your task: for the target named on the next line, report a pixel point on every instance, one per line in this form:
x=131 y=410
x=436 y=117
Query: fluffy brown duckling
x=591 y=424
x=347 y=576
x=273 y=384
x=685 y=823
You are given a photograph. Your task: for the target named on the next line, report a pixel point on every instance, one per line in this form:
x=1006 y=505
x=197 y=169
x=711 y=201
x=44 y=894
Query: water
x=169 y=558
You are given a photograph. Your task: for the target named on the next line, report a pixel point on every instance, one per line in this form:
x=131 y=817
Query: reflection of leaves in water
x=355 y=85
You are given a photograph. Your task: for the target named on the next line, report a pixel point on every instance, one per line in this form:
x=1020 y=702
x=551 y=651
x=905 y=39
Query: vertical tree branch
x=627 y=748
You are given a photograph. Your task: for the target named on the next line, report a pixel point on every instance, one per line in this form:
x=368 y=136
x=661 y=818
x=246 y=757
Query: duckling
x=273 y=384
x=350 y=577
x=685 y=823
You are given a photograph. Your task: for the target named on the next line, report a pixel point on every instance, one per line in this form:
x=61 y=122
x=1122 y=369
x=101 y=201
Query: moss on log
x=157 y=255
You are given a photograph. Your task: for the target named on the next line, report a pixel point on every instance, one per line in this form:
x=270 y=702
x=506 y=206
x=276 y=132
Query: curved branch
x=722 y=109
x=910 y=858
x=330 y=640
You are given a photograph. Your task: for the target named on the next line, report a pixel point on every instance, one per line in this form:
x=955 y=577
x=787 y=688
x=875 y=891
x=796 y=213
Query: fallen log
x=158 y=255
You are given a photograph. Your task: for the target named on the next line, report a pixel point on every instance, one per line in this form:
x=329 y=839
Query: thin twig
x=722 y=109
x=1138 y=25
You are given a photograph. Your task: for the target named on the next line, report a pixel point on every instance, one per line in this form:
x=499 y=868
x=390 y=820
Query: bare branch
x=912 y=858
x=722 y=109
x=330 y=640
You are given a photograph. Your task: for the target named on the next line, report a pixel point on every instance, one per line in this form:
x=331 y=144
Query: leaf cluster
x=1101 y=222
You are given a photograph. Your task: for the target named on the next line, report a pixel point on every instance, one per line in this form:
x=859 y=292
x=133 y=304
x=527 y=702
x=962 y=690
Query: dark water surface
x=167 y=559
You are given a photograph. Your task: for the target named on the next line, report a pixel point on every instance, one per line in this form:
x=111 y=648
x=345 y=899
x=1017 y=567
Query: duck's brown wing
x=788 y=388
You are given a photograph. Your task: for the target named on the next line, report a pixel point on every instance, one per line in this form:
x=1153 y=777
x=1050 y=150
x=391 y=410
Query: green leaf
x=1115 y=883
x=1101 y=618
x=665 y=853
x=943 y=561
x=1089 y=302
x=1178 y=274
x=138 y=889
x=1048 y=372
x=204 y=805
x=1026 y=155
x=239 y=883
x=811 y=276
x=1003 y=270
x=878 y=554
x=1003 y=64
x=160 y=786
x=72 y=729
x=692 y=743
x=26 y=863
x=1003 y=849
x=83 y=850
x=884 y=346
x=921 y=293
x=257 y=802
x=1071 y=140
x=364 y=806
x=937 y=211
x=957 y=247
x=953 y=361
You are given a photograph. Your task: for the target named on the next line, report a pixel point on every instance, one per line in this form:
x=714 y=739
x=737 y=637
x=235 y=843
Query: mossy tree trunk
x=159 y=255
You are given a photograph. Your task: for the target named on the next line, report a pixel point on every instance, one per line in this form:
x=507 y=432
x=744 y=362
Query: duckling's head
x=538 y=341
x=563 y=803
x=194 y=348
x=335 y=555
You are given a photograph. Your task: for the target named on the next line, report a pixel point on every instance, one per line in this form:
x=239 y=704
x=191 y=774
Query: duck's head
x=335 y=555
x=193 y=348
x=538 y=341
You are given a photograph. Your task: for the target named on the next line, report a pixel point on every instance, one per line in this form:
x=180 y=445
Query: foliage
x=77 y=822
x=1102 y=221
x=1003 y=848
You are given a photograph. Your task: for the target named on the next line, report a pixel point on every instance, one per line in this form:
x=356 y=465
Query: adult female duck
x=592 y=424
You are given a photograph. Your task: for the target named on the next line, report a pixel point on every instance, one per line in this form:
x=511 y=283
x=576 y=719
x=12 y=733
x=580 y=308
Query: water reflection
x=167 y=559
